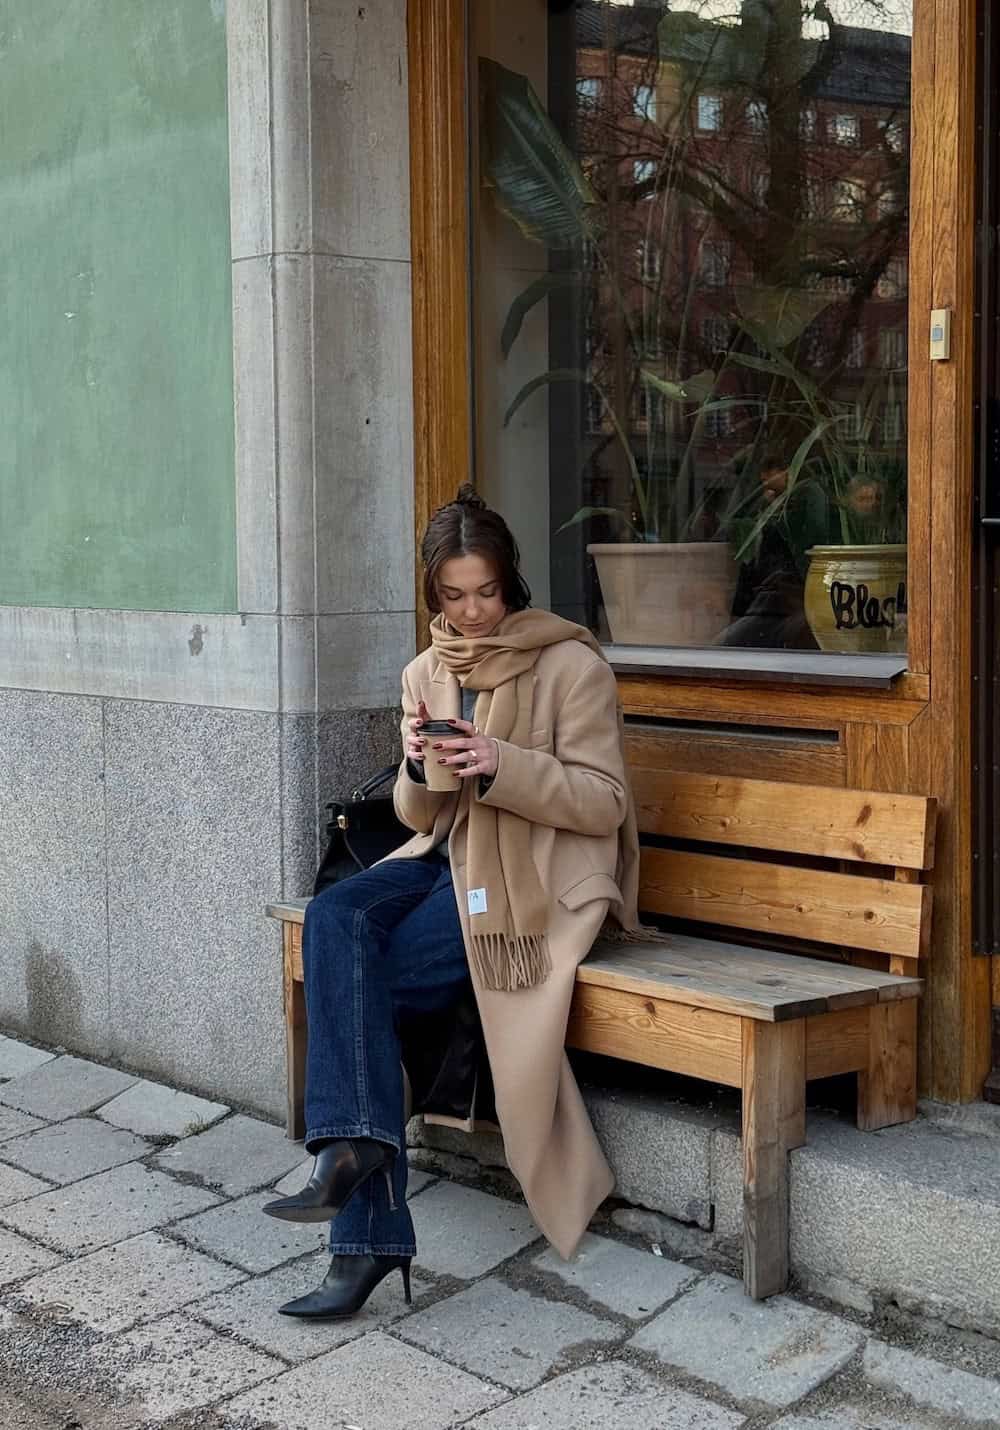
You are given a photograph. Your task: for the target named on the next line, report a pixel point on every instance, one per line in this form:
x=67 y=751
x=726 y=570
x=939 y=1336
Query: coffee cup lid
x=437 y=727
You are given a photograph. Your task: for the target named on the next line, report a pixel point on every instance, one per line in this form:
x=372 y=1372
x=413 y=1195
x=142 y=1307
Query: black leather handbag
x=362 y=830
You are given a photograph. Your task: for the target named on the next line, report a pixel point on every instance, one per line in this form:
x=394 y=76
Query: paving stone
x=629 y=1282
x=64 y=1087
x=416 y=1180
x=16 y=1124
x=607 y=1397
x=375 y=1382
x=134 y=1281
x=294 y=1180
x=153 y=1110
x=18 y=1058
x=239 y=1155
x=240 y=1232
x=773 y=1351
x=251 y=1310
x=15 y=1185
x=177 y=1365
x=20 y=1258
x=18 y=1413
x=859 y=1417
x=465 y=1233
x=110 y=1207
x=66 y=1151
x=931 y=1384
x=510 y=1336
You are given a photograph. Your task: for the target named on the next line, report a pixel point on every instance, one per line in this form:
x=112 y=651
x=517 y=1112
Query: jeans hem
x=353 y=1129
x=365 y=1248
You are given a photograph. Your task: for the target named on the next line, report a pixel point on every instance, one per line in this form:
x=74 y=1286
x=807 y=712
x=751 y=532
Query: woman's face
x=471 y=599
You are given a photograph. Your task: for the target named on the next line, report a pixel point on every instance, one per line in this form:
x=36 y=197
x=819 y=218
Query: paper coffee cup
x=438 y=777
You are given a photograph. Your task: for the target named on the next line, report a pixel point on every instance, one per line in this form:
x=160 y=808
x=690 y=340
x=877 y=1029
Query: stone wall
x=162 y=774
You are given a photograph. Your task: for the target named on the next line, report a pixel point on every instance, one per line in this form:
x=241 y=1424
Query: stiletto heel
x=387 y=1174
x=348 y=1284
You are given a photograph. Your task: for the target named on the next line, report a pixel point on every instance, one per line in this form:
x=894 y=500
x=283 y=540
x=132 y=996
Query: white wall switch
x=940 y=334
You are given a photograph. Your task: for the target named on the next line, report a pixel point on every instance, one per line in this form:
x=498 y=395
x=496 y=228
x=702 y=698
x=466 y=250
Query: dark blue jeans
x=386 y=941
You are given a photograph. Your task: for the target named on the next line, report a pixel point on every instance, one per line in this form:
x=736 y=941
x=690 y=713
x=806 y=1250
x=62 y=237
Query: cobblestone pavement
x=139 y=1281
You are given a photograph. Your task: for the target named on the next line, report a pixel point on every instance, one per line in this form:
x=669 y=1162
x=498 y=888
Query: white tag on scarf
x=477 y=901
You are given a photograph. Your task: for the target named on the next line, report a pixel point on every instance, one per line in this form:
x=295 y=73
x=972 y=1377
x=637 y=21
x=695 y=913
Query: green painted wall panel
x=117 y=483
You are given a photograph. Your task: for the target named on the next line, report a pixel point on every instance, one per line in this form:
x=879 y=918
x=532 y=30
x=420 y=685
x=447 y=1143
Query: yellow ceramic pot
x=855 y=598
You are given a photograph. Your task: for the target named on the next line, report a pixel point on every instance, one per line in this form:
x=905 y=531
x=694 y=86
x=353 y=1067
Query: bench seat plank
x=752 y=982
x=291 y=911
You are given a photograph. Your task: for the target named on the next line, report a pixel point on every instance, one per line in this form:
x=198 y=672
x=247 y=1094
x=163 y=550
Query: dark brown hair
x=468 y=527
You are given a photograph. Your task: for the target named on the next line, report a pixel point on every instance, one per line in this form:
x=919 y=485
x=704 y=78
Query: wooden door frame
x=916 y=738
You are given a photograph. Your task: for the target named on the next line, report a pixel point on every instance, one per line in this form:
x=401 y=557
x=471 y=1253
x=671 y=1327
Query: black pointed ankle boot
x=347 y=1286
x=341 y=1167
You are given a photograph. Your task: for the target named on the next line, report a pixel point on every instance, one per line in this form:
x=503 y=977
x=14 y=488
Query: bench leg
x=295 y=1044
x=774 y=1121
x=887 y=1088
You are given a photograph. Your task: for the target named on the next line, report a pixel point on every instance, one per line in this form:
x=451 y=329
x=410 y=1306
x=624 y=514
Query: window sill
x=764 y=667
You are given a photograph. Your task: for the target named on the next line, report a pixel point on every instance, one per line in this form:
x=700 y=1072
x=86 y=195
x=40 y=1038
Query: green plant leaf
x=555 y=374
x=780 y=315
x=536 y=180
x=524 y=302
x=586 y=512
x=697 y=388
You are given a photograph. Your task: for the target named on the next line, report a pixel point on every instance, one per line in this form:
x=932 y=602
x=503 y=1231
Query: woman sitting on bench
x=507 y=881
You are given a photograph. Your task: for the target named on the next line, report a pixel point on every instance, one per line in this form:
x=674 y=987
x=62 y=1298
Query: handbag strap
x=372 y=783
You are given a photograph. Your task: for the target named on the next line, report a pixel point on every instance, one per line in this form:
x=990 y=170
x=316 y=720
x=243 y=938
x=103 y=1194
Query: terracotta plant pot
x=855 y=598
x=666 y=593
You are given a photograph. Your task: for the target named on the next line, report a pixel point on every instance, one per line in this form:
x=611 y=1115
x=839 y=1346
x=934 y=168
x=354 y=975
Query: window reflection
x=690 y=298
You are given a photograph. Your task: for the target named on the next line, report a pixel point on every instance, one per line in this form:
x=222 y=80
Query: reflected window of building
x=588 y=91
x=713 y=263
x=845 y=129
x=757 y=116
x=892 y=348
x=644 y=104
x=709 y=110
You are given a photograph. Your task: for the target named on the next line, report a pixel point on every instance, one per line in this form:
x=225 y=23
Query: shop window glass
x=691 y=333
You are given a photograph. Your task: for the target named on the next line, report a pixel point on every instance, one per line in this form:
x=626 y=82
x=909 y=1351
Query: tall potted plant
x=665 y=580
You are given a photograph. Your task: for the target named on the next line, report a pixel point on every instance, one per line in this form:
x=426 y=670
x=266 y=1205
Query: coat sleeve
x=415 y=804
x=582 y=787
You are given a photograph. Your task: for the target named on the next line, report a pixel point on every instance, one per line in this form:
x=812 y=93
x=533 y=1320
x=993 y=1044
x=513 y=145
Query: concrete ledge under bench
x=824 y=866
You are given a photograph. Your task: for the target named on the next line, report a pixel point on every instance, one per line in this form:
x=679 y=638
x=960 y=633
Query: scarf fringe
x=614 y=932
x=505 y=964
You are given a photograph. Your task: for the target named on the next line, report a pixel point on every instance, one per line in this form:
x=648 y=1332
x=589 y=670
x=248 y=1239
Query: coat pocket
x=594 y=886
x=540 y=739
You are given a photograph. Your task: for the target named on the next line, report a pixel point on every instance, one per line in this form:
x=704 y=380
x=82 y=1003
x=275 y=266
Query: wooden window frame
x=914 y=737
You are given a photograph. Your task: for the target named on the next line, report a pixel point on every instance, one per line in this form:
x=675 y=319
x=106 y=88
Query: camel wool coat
x=572 y=787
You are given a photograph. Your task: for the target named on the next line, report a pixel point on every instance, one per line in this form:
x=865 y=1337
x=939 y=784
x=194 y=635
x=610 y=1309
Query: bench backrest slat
x=877 y=915
x=819 y=820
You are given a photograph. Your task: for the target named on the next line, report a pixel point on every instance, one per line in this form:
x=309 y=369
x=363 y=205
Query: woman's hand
x=470 y=752
x=414 y=744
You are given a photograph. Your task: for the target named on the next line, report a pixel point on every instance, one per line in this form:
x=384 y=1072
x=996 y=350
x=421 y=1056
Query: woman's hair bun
x=468 y=496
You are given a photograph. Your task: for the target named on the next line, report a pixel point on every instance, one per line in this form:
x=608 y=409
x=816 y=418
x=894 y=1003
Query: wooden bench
x=807 y=868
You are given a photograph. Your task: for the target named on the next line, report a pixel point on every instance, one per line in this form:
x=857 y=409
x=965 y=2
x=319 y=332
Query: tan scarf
x=509 y=948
